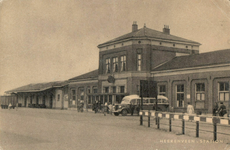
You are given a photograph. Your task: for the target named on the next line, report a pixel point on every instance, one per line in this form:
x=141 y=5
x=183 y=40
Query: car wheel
x=116 y=114
x=124 y=112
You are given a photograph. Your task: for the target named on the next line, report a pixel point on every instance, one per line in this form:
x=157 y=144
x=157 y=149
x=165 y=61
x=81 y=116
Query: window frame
x=115 y=64
x=200 y=91
x=73 y=94
x=139 y=62
x=123 y=63
x=160 y=92
x=225 y=91
x=107 y=65
x=180 y=93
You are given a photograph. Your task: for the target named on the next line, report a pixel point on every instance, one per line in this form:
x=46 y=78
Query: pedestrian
x=10 y=105
x=96 y=107
x=16 y=107
x=132 y=108
x=214 y=112
x=78 y=105
x=105 y=109
x=110 y=108
x=221 y=110
x=190 y=109
x=81 y=105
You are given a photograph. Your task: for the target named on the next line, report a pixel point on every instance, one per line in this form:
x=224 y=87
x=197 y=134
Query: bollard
x=170 y=124
x=141 y=120
x=182 y=126
x=214 y=132
x=197 y=128
x=156 y=118
x=148 y=120
x=158 y=122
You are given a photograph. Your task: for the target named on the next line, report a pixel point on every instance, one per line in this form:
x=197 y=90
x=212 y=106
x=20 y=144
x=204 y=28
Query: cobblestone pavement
x=49 y=129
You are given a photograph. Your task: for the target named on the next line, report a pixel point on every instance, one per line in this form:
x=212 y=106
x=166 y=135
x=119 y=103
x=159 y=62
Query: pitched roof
x=93 y=74
x=37 y=87
x=197 y=60
x=150 y=33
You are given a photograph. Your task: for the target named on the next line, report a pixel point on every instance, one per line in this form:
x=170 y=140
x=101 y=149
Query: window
x=93 y=99
x=88 y=90
x=82 y=93
x=180 y=95
x=200 y=92
x=162 y=90
x=94 y=89
x=106 y=89
x=223 y=91
x=89 y=99
x=138 y=62
x=110 y=99
x=122 y=89
x=114 y=89
x=105 y=98
x=123 y=63
x=115 y=64
x=107 y=65
x=73 y=94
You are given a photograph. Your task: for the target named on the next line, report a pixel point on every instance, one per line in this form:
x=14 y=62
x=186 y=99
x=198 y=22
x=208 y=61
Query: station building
x=182 y=74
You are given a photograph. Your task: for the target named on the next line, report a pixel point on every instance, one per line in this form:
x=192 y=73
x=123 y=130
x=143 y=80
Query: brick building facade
x=181 y=73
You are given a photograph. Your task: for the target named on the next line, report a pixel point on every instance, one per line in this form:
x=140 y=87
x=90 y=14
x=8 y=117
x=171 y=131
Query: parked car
x=133 y=102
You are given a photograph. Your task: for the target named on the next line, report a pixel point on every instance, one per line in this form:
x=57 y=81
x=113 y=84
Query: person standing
x=82 y=105
x=105 y=109
x=10 y=105
x=110 y=108
x=222 y=110
x=16 y=107
x=78 y=105
x=132 y=108
x=214 y=112
x=190 y=109
x=96 y=107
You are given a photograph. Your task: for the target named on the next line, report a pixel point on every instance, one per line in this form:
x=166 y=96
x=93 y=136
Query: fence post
x=197 y=128
x=214 y=131
x=158 y=122
x=182 y=126
x=156 y=115
x=170 y=124
x=141 y=120
x=149 y=119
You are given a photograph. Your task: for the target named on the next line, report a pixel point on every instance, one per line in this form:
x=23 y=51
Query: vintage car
x=133 y=102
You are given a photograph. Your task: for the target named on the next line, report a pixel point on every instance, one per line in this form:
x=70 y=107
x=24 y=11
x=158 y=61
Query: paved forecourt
x=63 y=129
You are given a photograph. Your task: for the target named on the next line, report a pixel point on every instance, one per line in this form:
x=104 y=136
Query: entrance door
x=25 y=102
x=51 y=101
x=36 y=99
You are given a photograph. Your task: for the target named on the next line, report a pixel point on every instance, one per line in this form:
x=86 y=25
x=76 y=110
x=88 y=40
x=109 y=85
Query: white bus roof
x=138 y=97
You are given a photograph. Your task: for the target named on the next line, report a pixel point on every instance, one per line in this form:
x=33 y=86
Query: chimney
x=166 y=29
x=134 y=27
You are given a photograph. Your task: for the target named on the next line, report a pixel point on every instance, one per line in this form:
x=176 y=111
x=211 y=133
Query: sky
x=55 y=40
